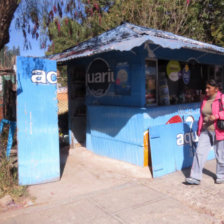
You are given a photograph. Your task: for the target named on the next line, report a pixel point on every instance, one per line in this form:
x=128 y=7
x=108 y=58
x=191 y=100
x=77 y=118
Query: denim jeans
x=206 y=139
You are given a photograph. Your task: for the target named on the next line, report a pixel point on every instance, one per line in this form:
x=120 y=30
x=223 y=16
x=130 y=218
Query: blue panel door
x=162 y=145
x=173 y=146
x=37 y=121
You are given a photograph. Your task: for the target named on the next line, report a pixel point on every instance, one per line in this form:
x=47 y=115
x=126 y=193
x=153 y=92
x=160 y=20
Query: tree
x=175 y=16
x=209 y=16
x=201 y=19
x=69 y=34
x=7 y=10
x=33 y=16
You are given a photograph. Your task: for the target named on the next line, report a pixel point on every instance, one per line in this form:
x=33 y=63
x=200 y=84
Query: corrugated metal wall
x=116 y=132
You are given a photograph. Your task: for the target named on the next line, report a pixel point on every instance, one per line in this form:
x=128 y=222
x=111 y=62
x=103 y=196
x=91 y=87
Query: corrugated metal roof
x=127 y=36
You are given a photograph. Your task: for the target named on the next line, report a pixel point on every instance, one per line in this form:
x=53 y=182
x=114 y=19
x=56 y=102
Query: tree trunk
x=7 y=9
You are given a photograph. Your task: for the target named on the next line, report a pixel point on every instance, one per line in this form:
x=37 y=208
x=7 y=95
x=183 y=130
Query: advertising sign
x=173 y=146
x=123 y=82
x=173 y=70
x=186 y=75
x=37 y=121
x=99 y=77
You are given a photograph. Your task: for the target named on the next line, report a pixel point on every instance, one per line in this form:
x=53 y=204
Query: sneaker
x=192 y=181
x=219 y=181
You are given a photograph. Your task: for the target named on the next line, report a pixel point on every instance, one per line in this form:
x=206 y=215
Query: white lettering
x=187 y=138
x=99 y=73
x=40 y=76
x=112 y=76
x=104 y=76
x=194 y=137
x=180 y=139
x=52 y=77
x=88 y=78
x=100 y=77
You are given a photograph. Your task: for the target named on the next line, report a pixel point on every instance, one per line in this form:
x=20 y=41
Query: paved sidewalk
x=96 y=189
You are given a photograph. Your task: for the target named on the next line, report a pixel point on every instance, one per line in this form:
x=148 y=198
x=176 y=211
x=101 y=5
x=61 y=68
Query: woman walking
x=209 y=135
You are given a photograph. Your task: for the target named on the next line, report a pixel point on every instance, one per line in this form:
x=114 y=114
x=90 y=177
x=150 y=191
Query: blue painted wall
x=116 y=132
x=136 y=69
x=116 y=124
x=112 y=130
x=136 y=72
x=37 y=122
x=161 y=115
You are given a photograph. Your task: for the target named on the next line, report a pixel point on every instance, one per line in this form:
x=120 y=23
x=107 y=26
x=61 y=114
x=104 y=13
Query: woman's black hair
x=214 y=83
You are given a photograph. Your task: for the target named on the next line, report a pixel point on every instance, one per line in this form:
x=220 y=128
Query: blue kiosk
x=134 y=95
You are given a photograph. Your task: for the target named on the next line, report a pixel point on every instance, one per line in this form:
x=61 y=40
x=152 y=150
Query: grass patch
x=9 y=172
x=9 y=180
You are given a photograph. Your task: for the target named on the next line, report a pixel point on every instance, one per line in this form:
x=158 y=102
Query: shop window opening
x=173 y=82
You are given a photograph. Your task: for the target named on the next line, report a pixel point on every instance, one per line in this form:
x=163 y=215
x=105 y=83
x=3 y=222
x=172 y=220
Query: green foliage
x=201 y=20
x=70 y=33
x=63 y=78
x=170 y=15
x=9 y=179
x=9 y=171
x=209 y=17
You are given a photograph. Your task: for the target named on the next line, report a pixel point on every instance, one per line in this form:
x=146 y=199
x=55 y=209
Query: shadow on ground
x=207 y=172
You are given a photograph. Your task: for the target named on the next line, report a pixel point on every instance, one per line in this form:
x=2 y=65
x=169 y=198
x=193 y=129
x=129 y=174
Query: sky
x=17 y=39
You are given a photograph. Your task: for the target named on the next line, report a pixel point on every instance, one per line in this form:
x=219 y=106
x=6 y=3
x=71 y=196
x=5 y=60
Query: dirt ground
x=96 y=189
x=62 y=102
x=85 y=172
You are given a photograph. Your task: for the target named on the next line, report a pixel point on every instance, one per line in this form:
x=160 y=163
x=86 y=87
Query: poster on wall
x=99 y=77
x=186 y=75
x=37 y=121
x=173 y=70
x=150 y=82
x=123 y=79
